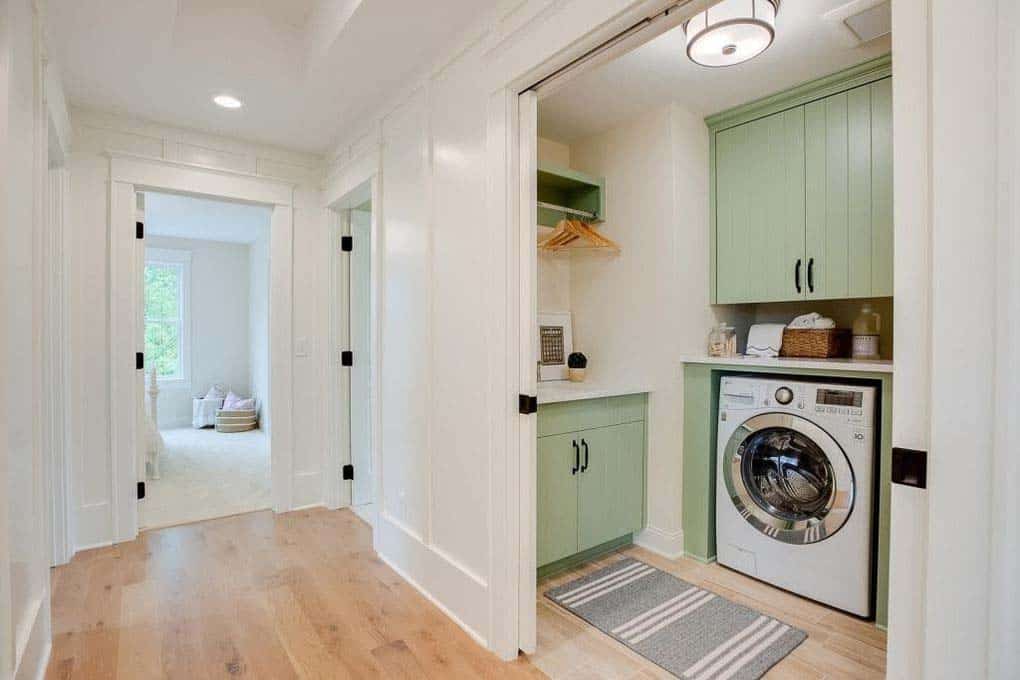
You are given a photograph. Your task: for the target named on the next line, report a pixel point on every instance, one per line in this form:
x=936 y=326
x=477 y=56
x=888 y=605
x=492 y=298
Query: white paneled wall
x=29 y=307
x=94 y=135
x=443 y=304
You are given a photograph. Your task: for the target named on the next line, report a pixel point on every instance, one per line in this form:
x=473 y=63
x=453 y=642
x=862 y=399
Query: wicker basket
x=816 y=344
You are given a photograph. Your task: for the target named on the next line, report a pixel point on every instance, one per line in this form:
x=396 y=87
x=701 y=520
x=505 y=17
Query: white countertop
x=564 y=390
x=861 y=365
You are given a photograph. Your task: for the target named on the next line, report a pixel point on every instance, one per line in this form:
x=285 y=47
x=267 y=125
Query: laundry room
x=714 y=330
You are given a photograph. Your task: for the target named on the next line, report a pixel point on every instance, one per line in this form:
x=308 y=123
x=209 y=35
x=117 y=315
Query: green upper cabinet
x=760 y=209
x=849 y=193
x=801 y=201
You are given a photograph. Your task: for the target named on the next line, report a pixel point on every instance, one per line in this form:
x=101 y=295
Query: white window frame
x=181 y=260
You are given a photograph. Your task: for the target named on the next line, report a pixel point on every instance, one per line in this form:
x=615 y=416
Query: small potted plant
x=576 y=363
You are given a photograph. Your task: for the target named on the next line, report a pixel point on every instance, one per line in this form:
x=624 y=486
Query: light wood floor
x=838 y=645
x=300 y=595
x=303 y=595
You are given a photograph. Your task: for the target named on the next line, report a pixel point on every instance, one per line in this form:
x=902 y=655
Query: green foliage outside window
x=163 y=322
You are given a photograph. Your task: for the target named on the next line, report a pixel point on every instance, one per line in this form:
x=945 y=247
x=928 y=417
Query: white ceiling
x=204 y=219
x=808 y=45
x=304 y=68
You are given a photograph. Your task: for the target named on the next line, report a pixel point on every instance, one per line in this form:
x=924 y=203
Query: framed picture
x=555 y=343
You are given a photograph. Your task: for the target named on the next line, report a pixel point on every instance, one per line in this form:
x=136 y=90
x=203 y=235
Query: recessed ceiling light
x=228 y=101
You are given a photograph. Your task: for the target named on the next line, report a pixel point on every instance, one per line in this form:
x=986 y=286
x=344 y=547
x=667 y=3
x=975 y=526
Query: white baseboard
x=669 y=544
x=33 y=656
x=439 y=605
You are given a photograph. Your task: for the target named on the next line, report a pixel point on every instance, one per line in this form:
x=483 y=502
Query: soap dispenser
x=866 y=334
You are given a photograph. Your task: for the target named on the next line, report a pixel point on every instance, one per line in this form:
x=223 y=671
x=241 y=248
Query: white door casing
x=129 y=174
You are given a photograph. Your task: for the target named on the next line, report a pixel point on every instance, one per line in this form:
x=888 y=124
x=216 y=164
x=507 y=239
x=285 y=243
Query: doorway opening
x=205 y=324
x=360 y=282
x=634 y=245
x=352 y=328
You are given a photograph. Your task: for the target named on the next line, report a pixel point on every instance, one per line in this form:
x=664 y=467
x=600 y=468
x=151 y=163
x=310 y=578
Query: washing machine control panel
x=850 y=404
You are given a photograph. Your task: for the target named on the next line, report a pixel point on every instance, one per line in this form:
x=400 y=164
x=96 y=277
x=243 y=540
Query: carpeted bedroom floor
x=208 y=474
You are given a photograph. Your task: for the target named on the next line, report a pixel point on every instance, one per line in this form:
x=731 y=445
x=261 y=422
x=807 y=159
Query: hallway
x=299 y=595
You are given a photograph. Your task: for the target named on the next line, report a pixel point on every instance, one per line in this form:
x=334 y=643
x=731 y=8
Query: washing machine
x=795 y=485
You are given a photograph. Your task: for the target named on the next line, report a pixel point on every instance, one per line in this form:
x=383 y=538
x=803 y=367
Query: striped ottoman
x=236 y=421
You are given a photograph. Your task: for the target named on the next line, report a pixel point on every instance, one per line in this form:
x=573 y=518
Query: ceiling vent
x=862 y=21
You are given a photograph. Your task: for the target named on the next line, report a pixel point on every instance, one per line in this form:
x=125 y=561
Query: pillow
x=244 y=405
x=215 y=393
x=230 y=404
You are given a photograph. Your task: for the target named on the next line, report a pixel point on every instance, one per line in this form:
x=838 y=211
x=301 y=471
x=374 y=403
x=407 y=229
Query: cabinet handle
x=796 y=275
x=811 y=275
x=577 y=458
x=585 y=445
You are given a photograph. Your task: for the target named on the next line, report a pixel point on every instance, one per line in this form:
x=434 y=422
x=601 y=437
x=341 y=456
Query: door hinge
x=139 y=361
x=141 y=490
x=139 y=230
x=527 y=404
x=910 y=467
x=347 y=243
x=346 y=358
x=348 y=472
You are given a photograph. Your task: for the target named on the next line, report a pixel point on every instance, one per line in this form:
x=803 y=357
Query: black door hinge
x=141 y=490
x=346 y=358
x=527 y=404
x=139 y=230
x=910 y=467
x=139 y=361
x=348 y=472
x=347 y=243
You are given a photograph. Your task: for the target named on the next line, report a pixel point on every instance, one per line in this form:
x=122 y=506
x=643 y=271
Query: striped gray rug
x=690 y=632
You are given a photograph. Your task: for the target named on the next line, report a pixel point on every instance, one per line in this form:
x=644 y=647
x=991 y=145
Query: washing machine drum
x=788 y=478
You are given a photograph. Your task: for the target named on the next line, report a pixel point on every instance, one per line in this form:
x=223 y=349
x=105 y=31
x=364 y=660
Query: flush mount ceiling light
x=228 y=101
x=731 y=32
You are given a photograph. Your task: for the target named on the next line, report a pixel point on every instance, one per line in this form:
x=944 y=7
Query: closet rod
x=568 y=211
x=606 y=46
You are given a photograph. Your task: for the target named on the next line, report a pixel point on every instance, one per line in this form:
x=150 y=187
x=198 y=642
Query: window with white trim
x=167 y=282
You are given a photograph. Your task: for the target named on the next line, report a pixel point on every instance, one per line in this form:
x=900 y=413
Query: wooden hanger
x=569 y=230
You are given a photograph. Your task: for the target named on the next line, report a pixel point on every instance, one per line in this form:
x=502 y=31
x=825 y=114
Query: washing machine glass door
x=788 y=478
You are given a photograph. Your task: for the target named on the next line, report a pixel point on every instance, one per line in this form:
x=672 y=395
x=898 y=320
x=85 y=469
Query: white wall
x=637 y=312
x=219 y=324
x=27 y=394
x=553 y=267
x=96 y=133
x=258 y=323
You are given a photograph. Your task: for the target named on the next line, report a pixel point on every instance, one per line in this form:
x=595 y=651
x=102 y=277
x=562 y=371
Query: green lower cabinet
x=557 y=498
x=591 y=480
x=611 y=498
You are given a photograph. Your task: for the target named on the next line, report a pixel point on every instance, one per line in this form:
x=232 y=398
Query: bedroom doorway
x=205 y=324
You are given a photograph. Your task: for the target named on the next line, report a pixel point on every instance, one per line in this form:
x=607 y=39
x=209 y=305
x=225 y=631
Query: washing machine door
x=788 y=478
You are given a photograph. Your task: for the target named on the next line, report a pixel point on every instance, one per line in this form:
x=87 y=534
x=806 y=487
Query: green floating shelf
x=562 y=192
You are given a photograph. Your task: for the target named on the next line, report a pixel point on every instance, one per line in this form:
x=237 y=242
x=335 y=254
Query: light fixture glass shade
x=731 y=32
x=228 y=101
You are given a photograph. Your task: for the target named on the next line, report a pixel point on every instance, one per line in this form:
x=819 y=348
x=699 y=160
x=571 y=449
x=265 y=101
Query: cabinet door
x=557 y=498
x=612 y=483
x=849 y=193
x=759 y=185
x=881 y=189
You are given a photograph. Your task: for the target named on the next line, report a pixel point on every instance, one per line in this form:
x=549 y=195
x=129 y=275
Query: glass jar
x=722 y=341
